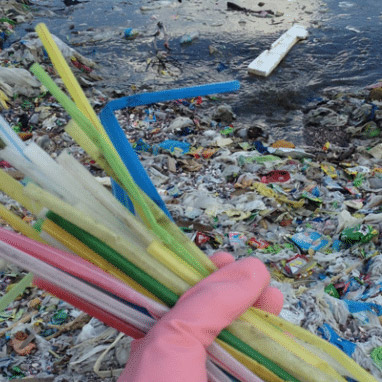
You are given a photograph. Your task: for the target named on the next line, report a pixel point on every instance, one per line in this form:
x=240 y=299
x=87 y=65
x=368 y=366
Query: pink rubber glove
x=175 y=348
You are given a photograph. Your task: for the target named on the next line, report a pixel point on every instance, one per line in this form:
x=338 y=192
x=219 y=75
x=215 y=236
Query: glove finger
x=221 y=259
x=214 y=302
x=271 y=300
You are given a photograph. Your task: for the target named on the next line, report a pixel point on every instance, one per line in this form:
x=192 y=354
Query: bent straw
x=77 y=287
x=136 y=195
x=92 y=310
x=121 y=143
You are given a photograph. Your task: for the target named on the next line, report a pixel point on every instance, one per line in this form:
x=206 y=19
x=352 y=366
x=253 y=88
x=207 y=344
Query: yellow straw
x=80 y=137
x=268 y=340
x=134 y=253
x=19 y=225
x=86 y=253
x=348 y=363
x=258 y=369
x=69 y=80
x=14 y=189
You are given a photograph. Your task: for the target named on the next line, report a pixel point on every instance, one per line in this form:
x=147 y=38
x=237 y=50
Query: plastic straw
x=104 y=198
x=17 y=290
x=127 y=248
x=68 y=78
x=18 y=224
x=14 y=189
x=83 y=140
x=162 y=292
x=24 y=165
x=113 y=257
x=90 y=309
x=121 y=143
x=109 y=152
x=76 y=286
x=348 y=363
x=10 y=137
x=87 y=254
x=225 y=360
x=81 y=268
x=70 y=189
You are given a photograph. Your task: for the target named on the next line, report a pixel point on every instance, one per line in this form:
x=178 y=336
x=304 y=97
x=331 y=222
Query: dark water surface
x=342 y=51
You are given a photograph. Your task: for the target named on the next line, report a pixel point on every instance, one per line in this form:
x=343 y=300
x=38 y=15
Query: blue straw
x=122 y=145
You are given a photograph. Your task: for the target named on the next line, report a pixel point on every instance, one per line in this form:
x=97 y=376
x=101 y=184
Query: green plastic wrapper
x=376 y=356
x=361 y=233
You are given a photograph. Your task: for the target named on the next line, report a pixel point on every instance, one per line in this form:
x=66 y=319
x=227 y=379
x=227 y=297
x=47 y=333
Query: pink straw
x=79 y=267
x=91 y=309
x=83 y=269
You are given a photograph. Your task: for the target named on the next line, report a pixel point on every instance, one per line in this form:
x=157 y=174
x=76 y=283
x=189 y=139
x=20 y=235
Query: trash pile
x=312 y=213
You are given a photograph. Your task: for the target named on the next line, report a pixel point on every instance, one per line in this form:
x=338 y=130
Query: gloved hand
x=175 y=348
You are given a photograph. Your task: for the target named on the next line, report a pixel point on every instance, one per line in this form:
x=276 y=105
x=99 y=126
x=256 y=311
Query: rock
x=223 y=113
x=180 y=123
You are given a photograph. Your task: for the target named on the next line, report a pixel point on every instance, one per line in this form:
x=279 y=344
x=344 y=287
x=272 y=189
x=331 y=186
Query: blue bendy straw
x=122 y=145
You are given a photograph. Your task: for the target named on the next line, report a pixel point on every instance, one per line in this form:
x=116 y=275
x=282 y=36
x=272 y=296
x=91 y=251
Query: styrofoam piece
x=268 y=60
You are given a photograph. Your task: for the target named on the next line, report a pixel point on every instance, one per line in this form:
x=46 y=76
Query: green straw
x=139 y=199
x=113 y=257
x=135 y=193
x=159 y=290
x=16 y=291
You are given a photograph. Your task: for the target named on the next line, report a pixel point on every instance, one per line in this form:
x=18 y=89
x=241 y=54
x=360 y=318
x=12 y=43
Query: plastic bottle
x=189 y=38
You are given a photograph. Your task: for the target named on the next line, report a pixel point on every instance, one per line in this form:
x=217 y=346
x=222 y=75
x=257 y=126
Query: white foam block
x=268 y=60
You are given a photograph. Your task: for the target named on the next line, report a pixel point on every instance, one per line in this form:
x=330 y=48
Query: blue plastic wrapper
x=175 y=146
x=358 y=306
x=141 y=145
x=329 y=334
x=309 y=240
x=337 y=245
x=365 y=313
x=260 y=147
x=315 y=192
